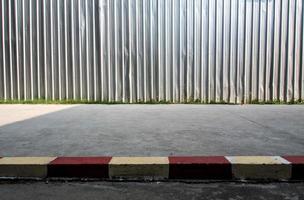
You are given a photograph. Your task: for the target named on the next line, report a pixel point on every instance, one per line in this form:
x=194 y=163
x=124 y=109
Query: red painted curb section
x=199 y=167
x=79 y=167
x=297 y=166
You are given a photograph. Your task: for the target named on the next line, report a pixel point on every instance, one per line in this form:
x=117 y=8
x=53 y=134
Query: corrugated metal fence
x=143 y=50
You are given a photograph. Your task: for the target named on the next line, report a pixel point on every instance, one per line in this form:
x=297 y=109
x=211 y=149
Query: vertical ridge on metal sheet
x=234 y=51
x=31 y=48
x=123 y=46
x=38 y=50
x=302 y=56
x=95 y=82
x=73 y=51
x=17 y=48
x=108 y=94
x=297 y=49
x=10 y=50
x=59 y=50
x=3 y=67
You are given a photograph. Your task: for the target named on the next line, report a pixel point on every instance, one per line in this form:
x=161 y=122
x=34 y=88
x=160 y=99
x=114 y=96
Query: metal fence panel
x=235 y=51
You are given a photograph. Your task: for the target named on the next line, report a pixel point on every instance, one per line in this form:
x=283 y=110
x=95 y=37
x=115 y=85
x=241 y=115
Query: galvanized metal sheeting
x=142 y=50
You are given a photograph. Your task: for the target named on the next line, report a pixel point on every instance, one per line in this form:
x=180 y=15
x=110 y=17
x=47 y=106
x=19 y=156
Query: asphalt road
x=157 y=191
x=151 y=130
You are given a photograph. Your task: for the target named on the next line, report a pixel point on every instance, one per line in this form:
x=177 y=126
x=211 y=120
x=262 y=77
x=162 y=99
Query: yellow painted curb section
x=260 y=167
x=24 y=166
x=257 y=160
x=133 y=167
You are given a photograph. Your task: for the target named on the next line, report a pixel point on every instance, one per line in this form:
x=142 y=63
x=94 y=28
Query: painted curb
x=71 y=167
x=156 y=168
x=139 y=167
x=297 y=169
x=260 y=167
x=211 y=167
x=24 y=166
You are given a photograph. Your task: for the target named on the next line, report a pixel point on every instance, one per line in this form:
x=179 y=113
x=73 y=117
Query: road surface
x=157 y=191
x=151 y=130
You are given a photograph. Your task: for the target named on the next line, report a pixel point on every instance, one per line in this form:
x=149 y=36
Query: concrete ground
x=151 y=130
x=158 y=130
x=157 y=191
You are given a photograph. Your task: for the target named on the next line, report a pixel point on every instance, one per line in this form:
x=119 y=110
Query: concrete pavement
x=153 y=190
x=151 y=130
